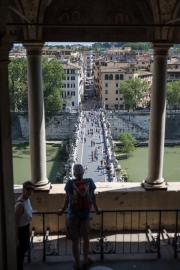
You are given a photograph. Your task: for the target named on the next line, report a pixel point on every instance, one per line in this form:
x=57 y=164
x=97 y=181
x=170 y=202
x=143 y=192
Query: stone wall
x=137 y=123
x=111 y=196
x=61 y=126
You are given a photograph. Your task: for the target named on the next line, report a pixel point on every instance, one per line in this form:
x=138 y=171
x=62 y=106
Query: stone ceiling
x=91 y=20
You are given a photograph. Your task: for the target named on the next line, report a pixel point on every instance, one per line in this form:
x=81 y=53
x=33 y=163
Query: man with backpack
x=79 y=199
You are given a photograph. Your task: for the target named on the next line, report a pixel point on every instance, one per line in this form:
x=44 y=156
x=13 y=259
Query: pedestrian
x=23 y=216
x=79 y=221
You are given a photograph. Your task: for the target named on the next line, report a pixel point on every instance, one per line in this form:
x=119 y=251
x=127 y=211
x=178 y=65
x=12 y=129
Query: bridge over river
x=93 y=148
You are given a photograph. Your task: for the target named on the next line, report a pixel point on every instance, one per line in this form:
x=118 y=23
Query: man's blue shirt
x=78 y=213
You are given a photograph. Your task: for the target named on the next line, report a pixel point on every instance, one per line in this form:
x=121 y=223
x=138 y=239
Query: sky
x=63 y=43
x=69 y=43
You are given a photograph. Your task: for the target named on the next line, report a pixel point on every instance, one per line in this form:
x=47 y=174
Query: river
x=137 y=165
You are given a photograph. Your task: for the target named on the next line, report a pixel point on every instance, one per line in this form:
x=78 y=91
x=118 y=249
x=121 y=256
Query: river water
x=137 y=165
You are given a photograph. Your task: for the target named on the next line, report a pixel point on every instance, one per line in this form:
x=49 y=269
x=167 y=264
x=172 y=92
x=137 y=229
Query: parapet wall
x=111 y=196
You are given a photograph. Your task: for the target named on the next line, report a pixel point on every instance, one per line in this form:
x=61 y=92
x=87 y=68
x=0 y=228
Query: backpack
x=81 y=199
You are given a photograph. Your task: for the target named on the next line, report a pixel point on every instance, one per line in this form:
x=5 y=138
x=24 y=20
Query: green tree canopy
x=137 y=46
x=128 y=142
x=173 y=94
x=53 y=74
x=133 y=91
x=18 y=84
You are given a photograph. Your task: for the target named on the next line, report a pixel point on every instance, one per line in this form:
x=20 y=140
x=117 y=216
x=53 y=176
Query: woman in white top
x=23 y=216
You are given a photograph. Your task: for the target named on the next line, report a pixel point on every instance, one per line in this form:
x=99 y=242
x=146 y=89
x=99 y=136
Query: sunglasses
x=28 y=189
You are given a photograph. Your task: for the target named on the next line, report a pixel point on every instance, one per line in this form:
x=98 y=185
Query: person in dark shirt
x=79 y=222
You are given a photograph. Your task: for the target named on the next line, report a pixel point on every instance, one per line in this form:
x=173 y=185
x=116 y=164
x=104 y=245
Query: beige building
x=108 y=77
x=112 y=76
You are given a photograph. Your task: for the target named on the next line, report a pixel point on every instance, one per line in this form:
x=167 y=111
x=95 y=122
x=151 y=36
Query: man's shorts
x=77 y=227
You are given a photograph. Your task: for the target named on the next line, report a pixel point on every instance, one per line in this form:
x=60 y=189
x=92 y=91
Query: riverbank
x=166 y=143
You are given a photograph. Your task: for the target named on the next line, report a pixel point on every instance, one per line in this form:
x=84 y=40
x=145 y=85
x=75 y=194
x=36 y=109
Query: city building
x=109 y=75
x=73 y=85
x=88 y=63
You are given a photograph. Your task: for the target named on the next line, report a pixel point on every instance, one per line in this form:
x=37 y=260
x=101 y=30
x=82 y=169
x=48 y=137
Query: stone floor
x=110 y=262
x=124 y=260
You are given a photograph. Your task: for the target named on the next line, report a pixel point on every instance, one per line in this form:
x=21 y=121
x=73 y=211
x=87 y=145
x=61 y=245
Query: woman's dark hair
x=25 y=184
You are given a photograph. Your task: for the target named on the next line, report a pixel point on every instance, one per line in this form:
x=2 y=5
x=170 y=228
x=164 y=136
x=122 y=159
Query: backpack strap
x=21 y=203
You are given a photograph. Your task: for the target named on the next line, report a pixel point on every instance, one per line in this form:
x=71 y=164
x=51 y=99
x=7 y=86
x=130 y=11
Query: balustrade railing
x=116 y=232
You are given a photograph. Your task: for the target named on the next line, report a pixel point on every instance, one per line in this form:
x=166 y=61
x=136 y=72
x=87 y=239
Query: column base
x=45 y=187
x=154 y=186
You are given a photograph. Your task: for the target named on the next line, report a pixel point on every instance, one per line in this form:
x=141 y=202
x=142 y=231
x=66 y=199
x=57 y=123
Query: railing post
x=175 y=237
x=44 y=240
x=102 y=237
x=158 y=238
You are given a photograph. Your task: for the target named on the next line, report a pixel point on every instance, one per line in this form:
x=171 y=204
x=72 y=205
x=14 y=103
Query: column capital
x=161 y=48
x=33 y=48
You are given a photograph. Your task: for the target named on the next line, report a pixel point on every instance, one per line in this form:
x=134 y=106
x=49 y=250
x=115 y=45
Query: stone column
x=36 y=116
x=155 y=179
x=7 y=228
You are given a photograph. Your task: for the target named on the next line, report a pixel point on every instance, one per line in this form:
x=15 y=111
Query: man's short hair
x=78 y=169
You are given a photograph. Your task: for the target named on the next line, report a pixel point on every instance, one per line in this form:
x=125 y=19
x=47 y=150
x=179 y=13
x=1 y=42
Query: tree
x=173 y=94
x=137 y=46
x=18 y=85
x=53 y=74
x=133 y=92
x=128 y=142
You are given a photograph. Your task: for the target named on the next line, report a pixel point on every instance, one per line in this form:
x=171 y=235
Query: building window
x=121 y=98
x=68 y=93
x=106 y=76
x=116 y=84
x=106 y=91
x=72 y=103
x=72 y=93
x=67 y=71
x=72 y=71
x=106 y=84
x=116 y=98
x=117 y=92
x=64 y=86
x=117 y=77
x=68 y=78
x=110 y=77
x=73 y=78
x=106 y=98
x=68 y=85
x=121 y=77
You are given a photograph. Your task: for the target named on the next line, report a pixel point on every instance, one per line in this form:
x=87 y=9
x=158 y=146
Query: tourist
x=23 y=216
x=79 y=221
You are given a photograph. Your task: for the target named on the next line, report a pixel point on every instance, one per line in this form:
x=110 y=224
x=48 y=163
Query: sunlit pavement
x=85 y=150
